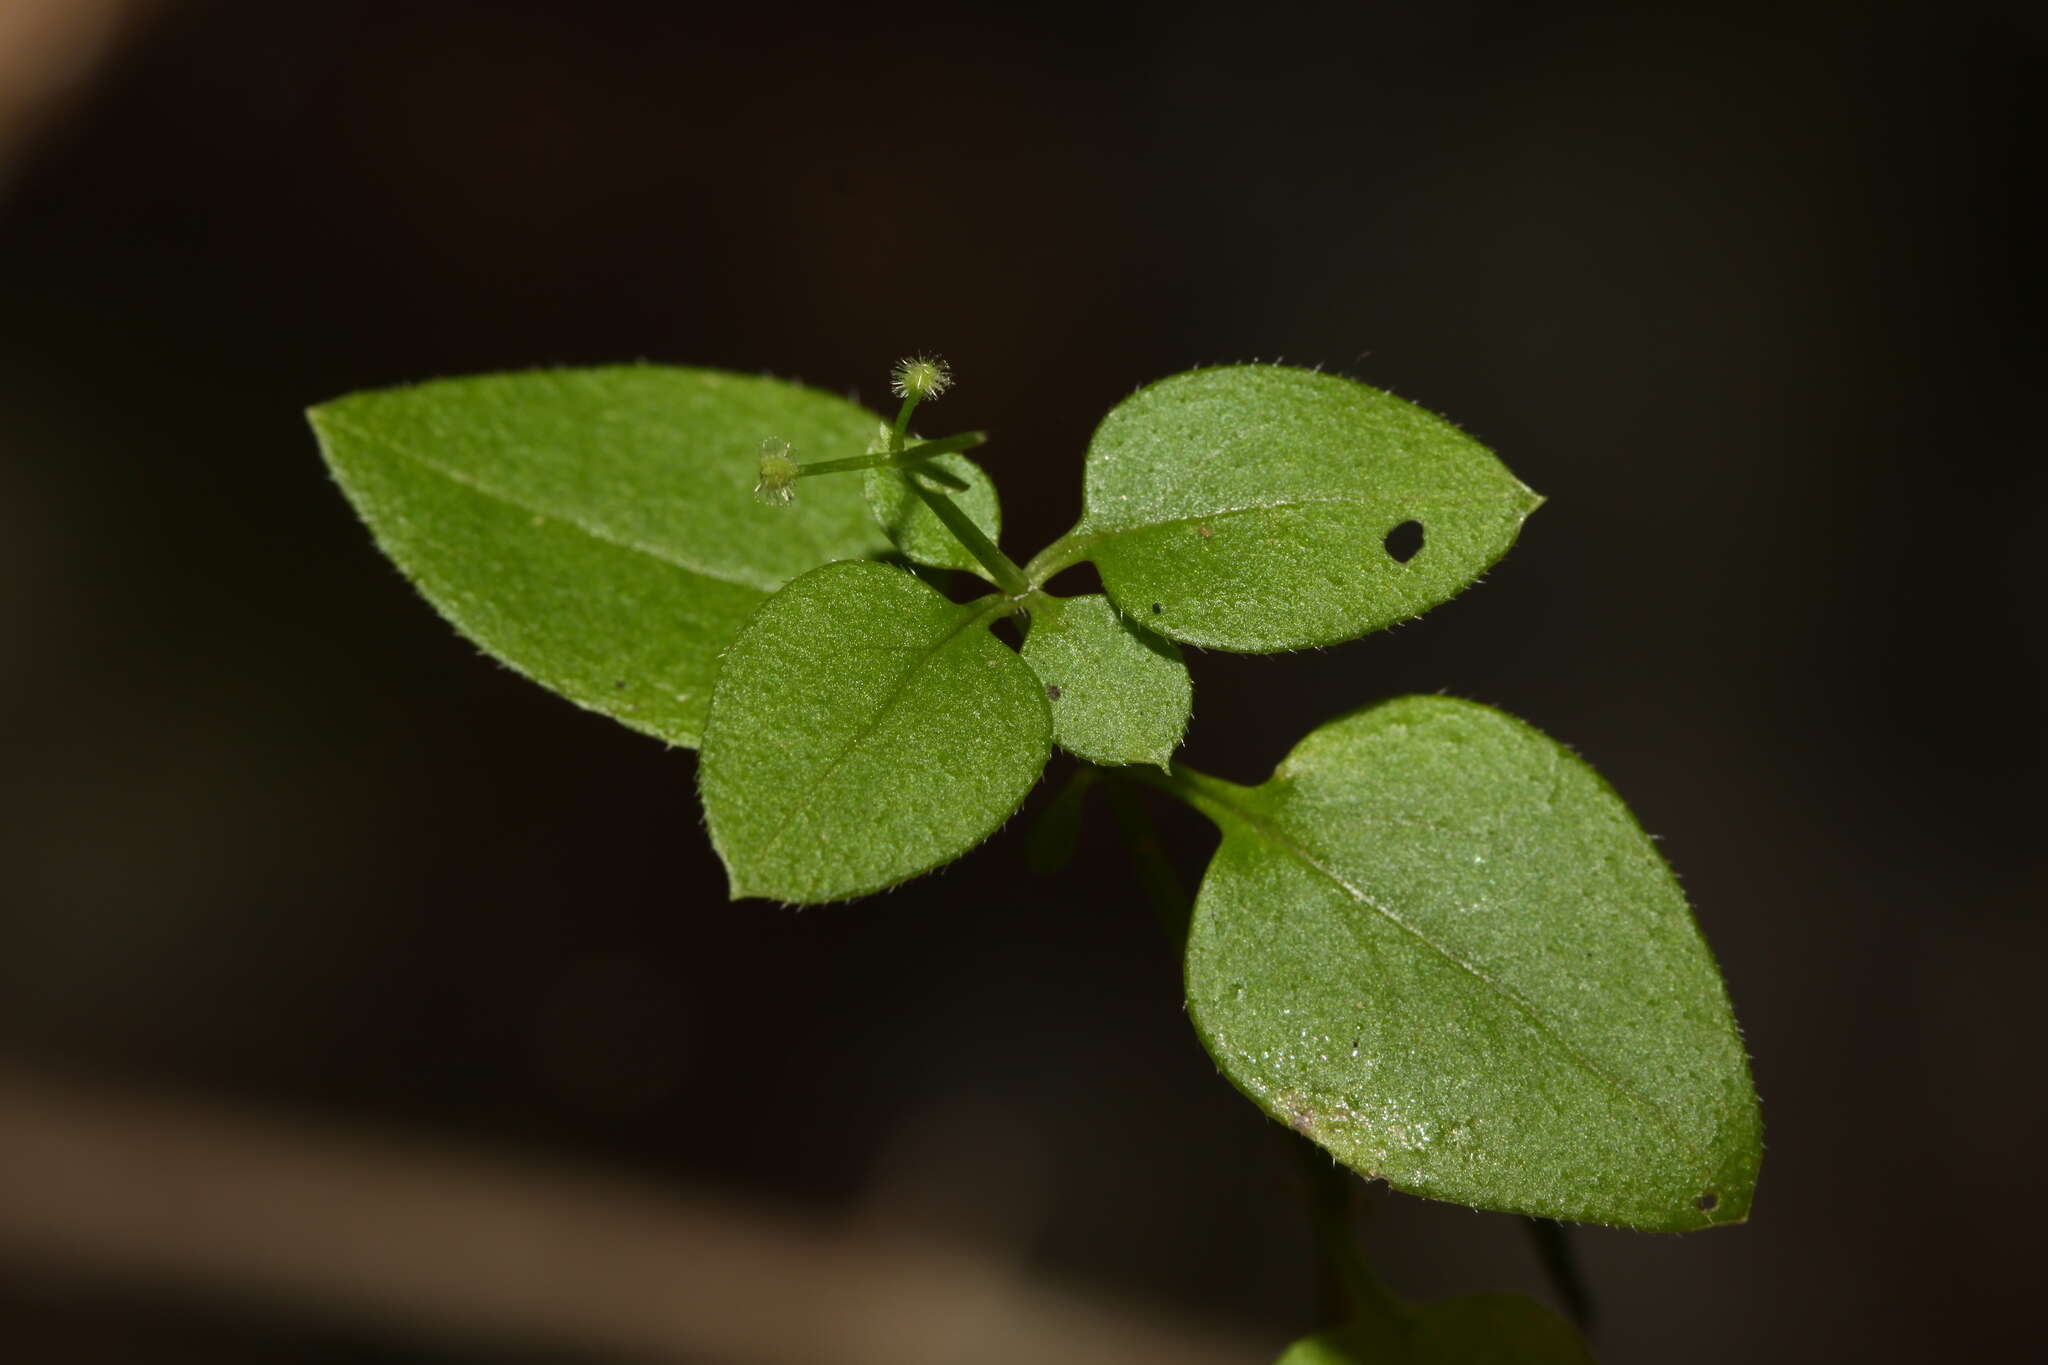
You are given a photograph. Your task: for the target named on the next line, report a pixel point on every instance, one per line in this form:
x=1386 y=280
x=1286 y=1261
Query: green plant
x=1433 y=942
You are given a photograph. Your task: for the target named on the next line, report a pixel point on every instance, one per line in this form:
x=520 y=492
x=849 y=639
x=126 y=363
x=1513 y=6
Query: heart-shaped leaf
x=1119 y=694
x=1437 y=943
x=864 y=730
x=912 y=525
x=1261 y=508
x=594 y=529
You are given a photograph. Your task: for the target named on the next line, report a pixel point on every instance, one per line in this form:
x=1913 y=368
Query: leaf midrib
x=1099 y=531
x=1264 y=830
x=603 y=535
x=969 y=618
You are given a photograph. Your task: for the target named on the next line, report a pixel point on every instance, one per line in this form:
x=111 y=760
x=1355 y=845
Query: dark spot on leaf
x=1404 y=542
x=618 y=682
x=1156 y=608
x=1706 y=1202
x=1052 y=691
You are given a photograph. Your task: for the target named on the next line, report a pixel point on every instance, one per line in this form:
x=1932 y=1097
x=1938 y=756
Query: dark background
x=1746 y=292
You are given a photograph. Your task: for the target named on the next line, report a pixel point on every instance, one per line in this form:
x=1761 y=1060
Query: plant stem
x=1212 y=796
x=917 y=454
x=1561 y=1264
x=1155 y=870
x=1064 y=553
x=1353 y=1294
x=1329 y=1198
x=1002 y=569
x=902 y=426
x=1050 y=844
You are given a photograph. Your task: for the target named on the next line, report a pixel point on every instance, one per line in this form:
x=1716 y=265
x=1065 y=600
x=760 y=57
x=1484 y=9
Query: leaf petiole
x=1162 y=885
x=1064 y=553
x=1212 y=796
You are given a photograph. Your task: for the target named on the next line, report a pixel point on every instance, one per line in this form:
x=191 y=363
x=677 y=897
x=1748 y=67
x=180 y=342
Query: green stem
x=1212 y=796
x=1329 y=1198
x=1561 y=1264
x=1170 y=901
x=1002 y=569
x=1064 y=553
x=917 y=454
x=1354 y=1295
x=902 y=426
x=1050 y=844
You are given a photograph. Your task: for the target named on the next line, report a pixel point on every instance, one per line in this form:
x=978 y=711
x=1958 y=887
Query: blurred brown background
x=1745 y=291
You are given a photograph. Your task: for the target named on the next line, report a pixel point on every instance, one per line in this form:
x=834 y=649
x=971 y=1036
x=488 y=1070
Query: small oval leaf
x=864 y=730
x=1436 y=943
x=1119 y=694
x=595 y=528
x=915 y=529
x=1251 y=507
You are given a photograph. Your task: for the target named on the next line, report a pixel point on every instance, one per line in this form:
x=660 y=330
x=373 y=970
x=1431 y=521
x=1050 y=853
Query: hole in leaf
x=1404 y=542
x=1706 y=1202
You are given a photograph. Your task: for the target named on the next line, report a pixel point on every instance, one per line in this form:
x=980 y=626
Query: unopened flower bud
x=921 y=377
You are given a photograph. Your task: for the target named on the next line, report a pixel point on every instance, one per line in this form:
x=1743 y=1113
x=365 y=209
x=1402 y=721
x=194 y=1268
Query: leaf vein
x=803 y=812
x=1103 y=531
x=603 y=535
x=1269 y=833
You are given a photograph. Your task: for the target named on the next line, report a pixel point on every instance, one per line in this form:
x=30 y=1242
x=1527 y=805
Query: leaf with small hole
x=1260 y=508
x=1434 y=941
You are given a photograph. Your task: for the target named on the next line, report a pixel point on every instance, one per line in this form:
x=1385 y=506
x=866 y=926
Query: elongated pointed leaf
x=1119 y=694
x=1437 y=943
x=1260 y=508
x=1482 y=1329
x=864 y=730
x=594 y=529
x=912 y=525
